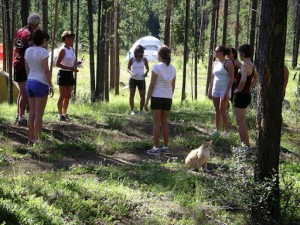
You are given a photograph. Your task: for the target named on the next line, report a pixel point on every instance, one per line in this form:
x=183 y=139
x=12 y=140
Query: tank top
x=221 y=77
x=247 y=85
x=137 y=68
x=69 y=57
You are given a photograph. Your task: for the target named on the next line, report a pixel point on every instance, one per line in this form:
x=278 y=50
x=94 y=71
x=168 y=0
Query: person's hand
x=51 y=91
x=146 y=74
x=225 y=97
x=74 y=69
x=209 y=95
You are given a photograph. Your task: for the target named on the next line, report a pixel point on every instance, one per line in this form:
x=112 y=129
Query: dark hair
x=138 y=49
x=39 y=36
x=246 y=50
x=67 y=34
x=165 y=53
x=233 y=51
x=224 y=49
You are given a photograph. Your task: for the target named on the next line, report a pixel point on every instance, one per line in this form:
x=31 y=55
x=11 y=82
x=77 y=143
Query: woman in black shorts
x=67 y=63
x=246 y=78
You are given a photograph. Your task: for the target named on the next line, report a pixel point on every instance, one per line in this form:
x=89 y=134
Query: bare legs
x=160 y=118
x=131 y=98
x=22 y=99
x=240 y=115
x=65 y=93
x=220 y=105
x=35 y=120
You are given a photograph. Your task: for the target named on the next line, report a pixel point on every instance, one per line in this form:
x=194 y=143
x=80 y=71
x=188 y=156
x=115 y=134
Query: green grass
x=79 y=175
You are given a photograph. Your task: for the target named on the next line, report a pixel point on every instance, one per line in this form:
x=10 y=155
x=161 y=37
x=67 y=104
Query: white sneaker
x=132 y=113
x=215 y=133
x=154 y=151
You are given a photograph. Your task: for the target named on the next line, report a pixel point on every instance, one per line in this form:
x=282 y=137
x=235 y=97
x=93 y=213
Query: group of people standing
x=232 y=80
x=31 y=72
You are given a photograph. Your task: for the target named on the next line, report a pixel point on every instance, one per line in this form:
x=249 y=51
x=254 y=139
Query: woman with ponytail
x=161 y=91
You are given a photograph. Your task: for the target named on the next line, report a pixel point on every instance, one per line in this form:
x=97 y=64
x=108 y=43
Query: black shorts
x=20 y=75
x=141 y=84
x=161 y=103
x=242 y=100
x=65 y=78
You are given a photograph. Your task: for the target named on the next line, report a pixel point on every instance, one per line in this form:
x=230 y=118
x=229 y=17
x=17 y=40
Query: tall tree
x=91 y=48
x=202 y=29
x=186 y=51
x=225 y=22
x=169 y=8
x=117 y=46
x=196 y=39
x=76 y=45
x=253 y=24
x=296 y=36
x=211 y=43
x=270 y=65
x=217 y=8
x=24 y=11
x=45 y=15
x=4 y=32
x=72 y=15
x=237 y=24
x=112 y=60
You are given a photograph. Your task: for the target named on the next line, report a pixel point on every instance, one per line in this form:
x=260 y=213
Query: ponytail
x=165 y=53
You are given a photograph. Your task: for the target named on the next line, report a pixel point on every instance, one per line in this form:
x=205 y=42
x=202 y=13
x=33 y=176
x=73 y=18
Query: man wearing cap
x=23 y=40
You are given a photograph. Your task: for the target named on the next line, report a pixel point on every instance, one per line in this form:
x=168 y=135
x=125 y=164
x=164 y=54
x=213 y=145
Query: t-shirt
x=22 y=42
x=34 y=56
x=165 y=76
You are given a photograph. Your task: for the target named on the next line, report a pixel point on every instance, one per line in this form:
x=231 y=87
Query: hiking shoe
x=215 y=133
x=165 y=150
x=154 y=151
x=61 y=118
x=132 y=113
x=67 y=118
x=22 y=121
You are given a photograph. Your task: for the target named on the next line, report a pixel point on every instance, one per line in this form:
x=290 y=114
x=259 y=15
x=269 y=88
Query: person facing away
x=245 y=80
x=233 y=57
x=160 y=92
x=23 y=40
x=67 y=63
x=39 y=83
x=136 y=67
x=220 y=88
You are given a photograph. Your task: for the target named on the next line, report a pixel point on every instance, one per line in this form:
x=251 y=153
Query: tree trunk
x=45 y=15
x=196 y=37
x=296 y=37
x=107 y=53
x=211 y=44
x=53 y=34
x=91 y=49
x=167 y=38
x=117 y=47
x=112 y=60
x=237 y=24
x=186 y=52
x=71 y=15
x=253 y=24
x=270 y=65
x=76 y=47
x=225 y=22
x=4 y=38
x=24 y=11
x=202 y=30
x=217 y=22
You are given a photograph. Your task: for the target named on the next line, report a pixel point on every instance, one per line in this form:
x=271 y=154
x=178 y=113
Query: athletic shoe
x=165 y=150
x=61 y=118
x=67 y=118
x=132 y=113
x=141 y=112
x=154 y=151
x=215 y=133
x=22 y=121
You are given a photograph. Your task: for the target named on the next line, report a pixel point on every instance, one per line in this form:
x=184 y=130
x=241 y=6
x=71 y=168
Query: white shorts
x=220 y=92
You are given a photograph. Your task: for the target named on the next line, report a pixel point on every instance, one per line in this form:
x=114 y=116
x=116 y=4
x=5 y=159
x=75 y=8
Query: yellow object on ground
x=4 y=79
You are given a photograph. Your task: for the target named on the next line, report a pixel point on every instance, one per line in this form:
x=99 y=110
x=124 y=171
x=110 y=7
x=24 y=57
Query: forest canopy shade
x=151 y=45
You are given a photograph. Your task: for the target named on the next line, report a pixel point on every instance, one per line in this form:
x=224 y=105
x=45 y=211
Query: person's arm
x=255 y=78
x=209 y=94
x=285 y=79
x=60 y=57
x=150 y=89
x=147 y=67
x=26 y=67
x=129 y=66
x=230 y=68
x=243 y=79
x=48 y=75
x=237 y=64
x=173 y=84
